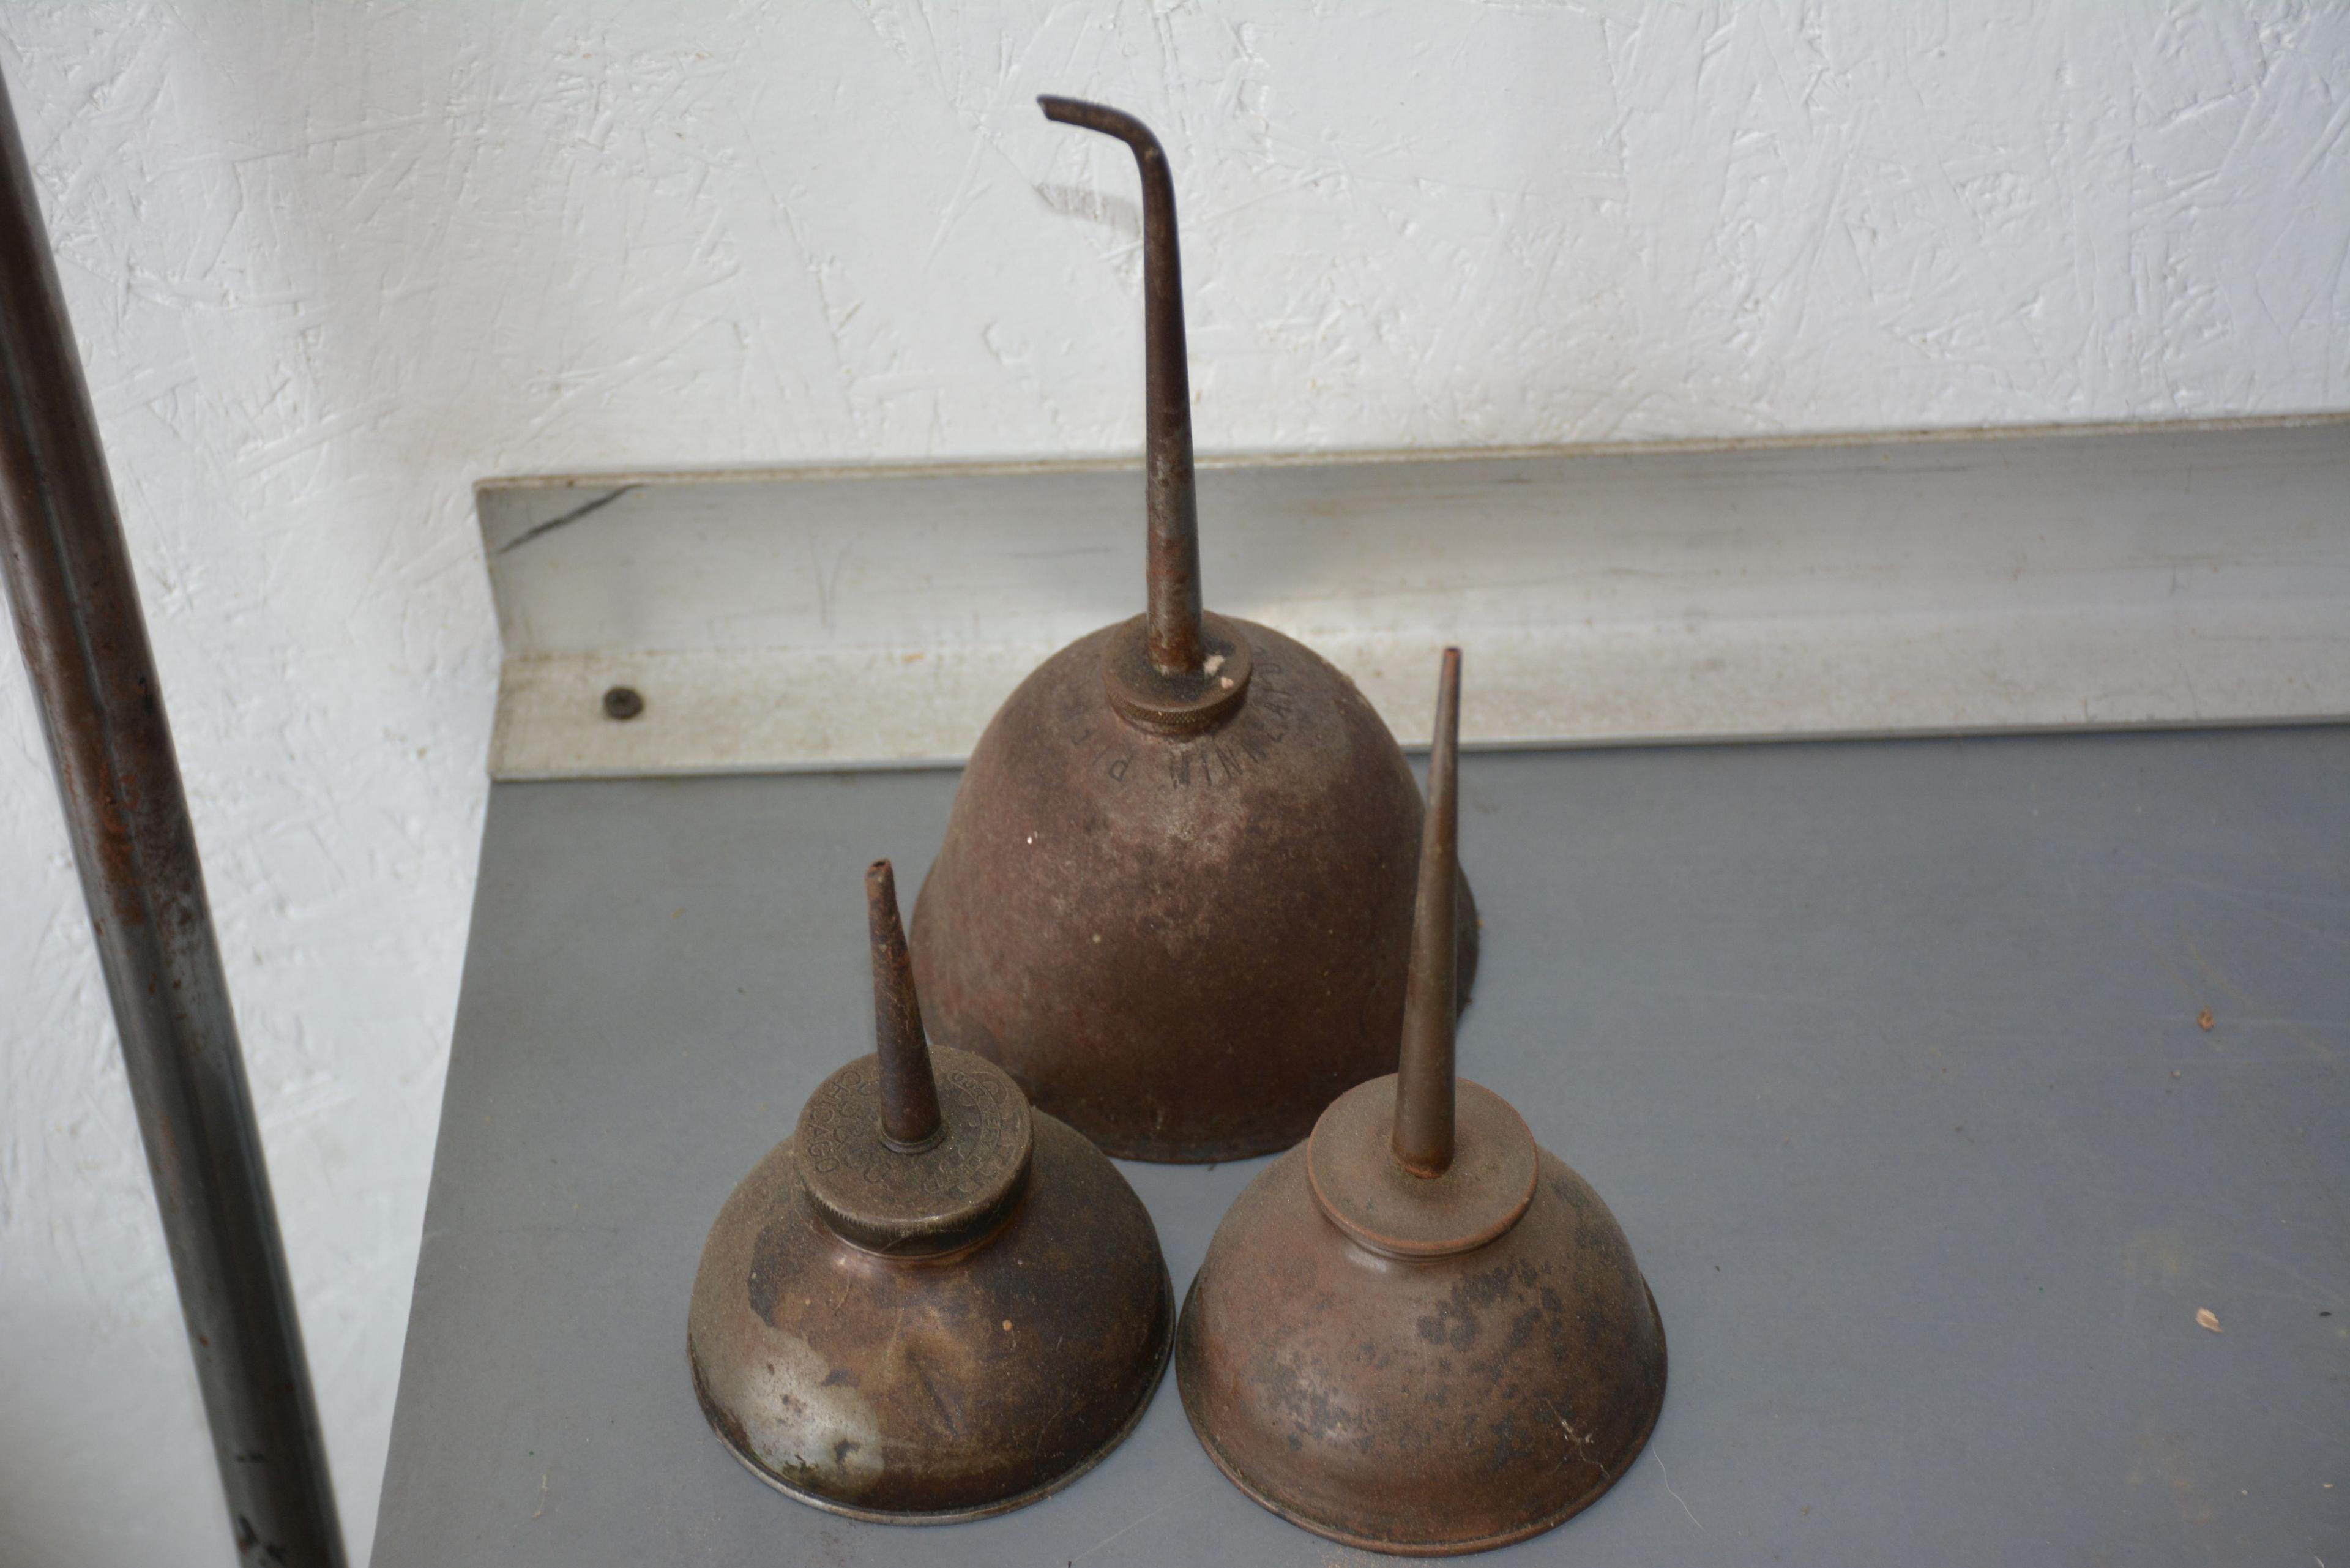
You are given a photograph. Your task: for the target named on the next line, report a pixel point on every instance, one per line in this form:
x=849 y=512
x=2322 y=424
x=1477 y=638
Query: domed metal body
x=1174 y=898
x=1186 y=944
x=931 y=1303
x=1420 y=1332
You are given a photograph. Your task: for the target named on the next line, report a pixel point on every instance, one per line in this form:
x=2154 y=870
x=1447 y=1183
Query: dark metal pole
x=77 y=619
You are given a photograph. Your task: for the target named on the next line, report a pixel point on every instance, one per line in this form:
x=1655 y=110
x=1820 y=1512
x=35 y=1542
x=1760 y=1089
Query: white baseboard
x=2151 y=574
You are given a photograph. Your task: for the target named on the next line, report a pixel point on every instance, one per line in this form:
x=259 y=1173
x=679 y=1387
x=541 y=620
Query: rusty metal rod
x=1423 y=1113
x=909 y=1095
x=1174 y=641
x=77 y=619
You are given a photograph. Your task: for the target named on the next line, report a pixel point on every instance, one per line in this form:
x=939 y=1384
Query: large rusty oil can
x=1175 y=895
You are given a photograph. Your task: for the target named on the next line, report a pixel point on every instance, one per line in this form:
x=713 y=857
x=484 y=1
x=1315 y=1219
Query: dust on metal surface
x=930 y=1302
x=1420 y=1333
x=1174 y=899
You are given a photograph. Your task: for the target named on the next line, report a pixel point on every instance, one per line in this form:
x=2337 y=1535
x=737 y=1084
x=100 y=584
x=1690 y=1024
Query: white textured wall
x=329 y=265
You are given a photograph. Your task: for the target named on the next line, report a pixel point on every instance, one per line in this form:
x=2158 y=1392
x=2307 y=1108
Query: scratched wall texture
x=329 y=265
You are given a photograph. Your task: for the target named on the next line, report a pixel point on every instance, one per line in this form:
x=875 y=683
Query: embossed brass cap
x=930 y=1302
x=1176 y=889
x=1420 y=1332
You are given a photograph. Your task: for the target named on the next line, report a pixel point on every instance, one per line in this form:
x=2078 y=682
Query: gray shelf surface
x=1886 y=1055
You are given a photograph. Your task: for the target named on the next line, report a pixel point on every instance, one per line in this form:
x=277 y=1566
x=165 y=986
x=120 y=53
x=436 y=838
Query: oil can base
x=954 y=1515
x=926 y=1390
x=1332 y=1530
x=1420 y=1406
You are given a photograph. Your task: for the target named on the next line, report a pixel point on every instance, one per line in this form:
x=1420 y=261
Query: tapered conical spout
x=1423 y=1108
x=1175 y=644
x=909 y=1094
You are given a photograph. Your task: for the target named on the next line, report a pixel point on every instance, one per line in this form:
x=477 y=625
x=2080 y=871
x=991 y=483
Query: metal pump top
x=892 y=1162
x=1424 y=1163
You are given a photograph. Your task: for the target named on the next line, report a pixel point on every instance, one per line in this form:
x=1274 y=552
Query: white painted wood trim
x=2145 y=575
